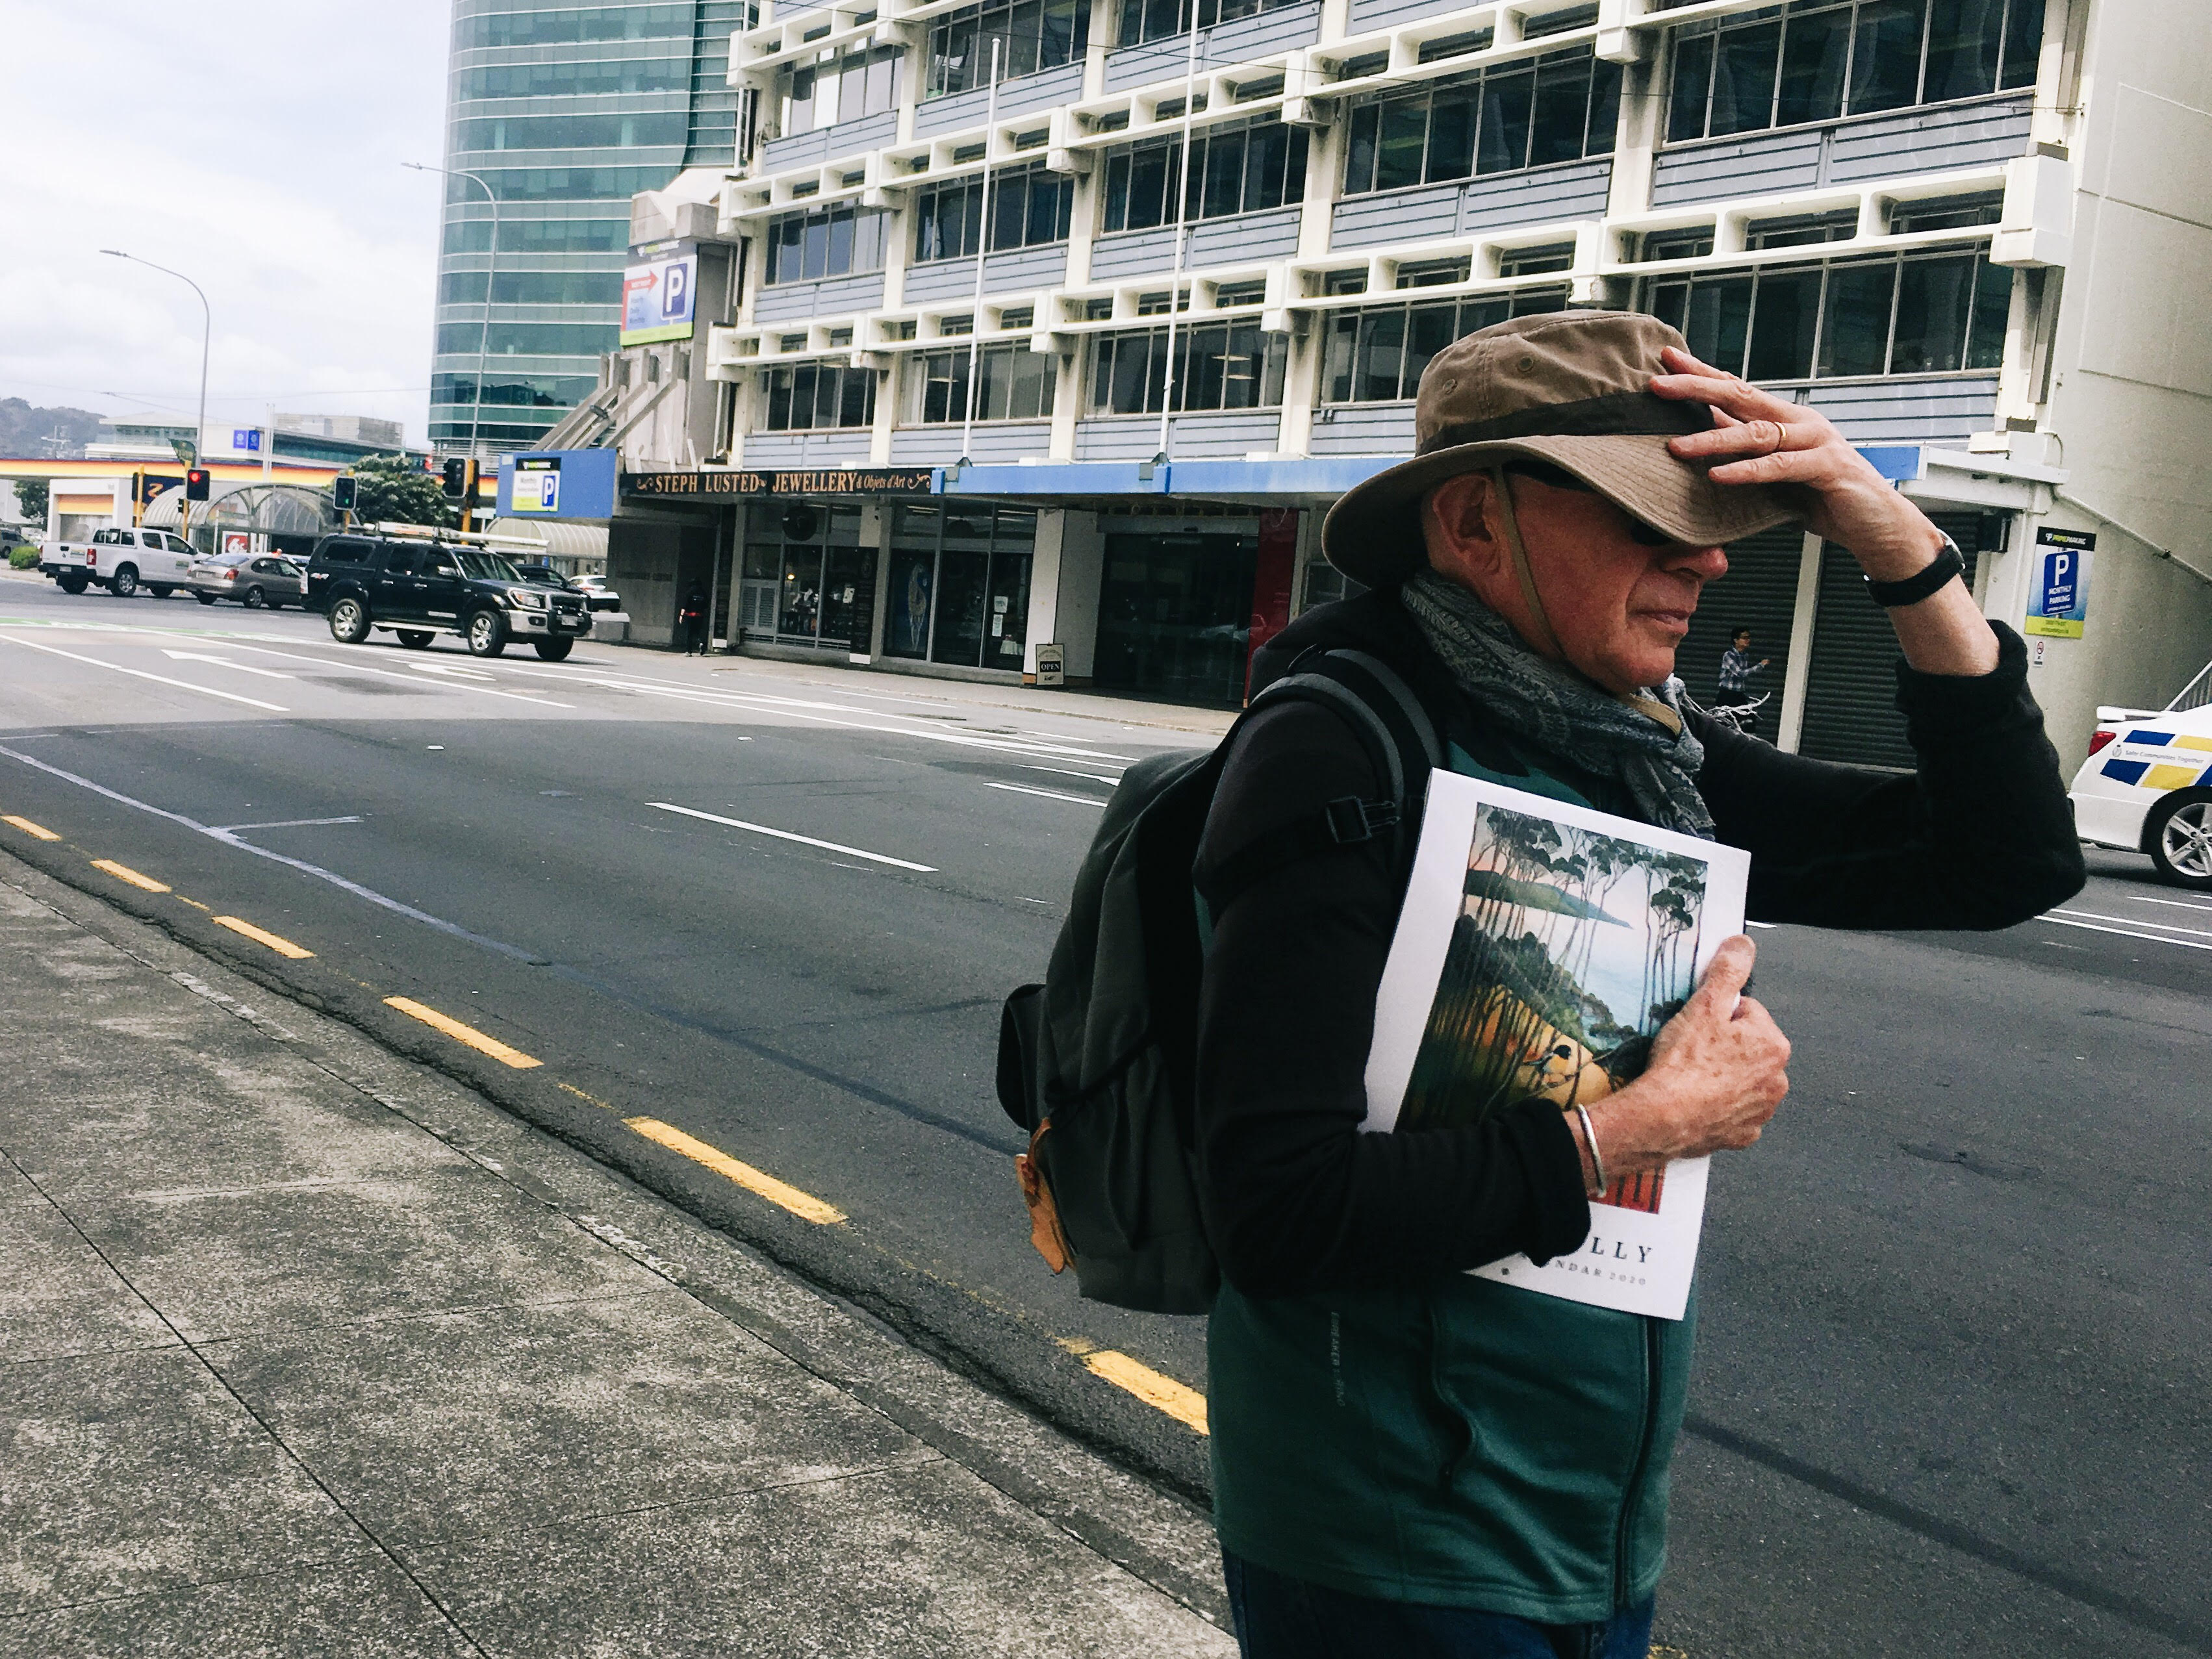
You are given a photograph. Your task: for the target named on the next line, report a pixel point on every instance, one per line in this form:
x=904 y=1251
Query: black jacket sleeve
x=1297 y=1199
x=1980 y=837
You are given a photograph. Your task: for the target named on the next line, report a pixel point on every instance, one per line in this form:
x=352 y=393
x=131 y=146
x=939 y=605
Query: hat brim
x=1373 y=532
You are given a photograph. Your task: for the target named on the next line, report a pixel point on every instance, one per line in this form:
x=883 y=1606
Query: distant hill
x=28 y=431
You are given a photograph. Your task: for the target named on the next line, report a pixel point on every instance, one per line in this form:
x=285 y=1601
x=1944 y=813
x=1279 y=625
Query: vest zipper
x=1631 y=1500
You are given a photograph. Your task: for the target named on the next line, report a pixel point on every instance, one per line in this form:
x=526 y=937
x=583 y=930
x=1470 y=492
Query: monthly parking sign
x=2058 y=600
x=537 y=485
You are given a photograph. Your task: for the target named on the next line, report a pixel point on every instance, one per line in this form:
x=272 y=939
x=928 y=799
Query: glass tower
x=565 y=113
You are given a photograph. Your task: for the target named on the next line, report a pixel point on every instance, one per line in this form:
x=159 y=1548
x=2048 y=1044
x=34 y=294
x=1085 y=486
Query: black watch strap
x=1918 y=586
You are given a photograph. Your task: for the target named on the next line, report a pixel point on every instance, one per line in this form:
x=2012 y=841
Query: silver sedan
x=254 y=579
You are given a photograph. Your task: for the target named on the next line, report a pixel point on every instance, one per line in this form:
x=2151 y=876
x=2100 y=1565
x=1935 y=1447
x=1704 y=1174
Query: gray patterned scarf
x=1558 y=713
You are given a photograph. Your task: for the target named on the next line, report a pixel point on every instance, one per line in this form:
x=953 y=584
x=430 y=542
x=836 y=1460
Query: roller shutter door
x=1850 y=688
x=1759 y=592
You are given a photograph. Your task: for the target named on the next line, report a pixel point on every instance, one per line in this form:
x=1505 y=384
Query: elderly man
x=1408 y=1459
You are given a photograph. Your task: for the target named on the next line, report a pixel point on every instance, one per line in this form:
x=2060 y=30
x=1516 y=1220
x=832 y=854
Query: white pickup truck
x=121 y=561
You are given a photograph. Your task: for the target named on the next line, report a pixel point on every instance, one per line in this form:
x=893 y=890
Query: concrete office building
x=1969 y=231
x=566 y=113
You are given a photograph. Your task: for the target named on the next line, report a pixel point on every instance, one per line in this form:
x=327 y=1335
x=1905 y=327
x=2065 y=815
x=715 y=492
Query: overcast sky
x=255 y=146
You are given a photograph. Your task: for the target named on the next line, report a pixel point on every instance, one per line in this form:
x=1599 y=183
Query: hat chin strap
x=1546 y=642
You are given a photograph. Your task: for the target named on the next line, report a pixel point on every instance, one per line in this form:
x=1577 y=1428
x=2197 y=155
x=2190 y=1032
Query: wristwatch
x=1948 y=563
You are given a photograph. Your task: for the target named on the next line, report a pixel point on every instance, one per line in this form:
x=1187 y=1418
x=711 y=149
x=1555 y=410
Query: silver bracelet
x=1589 y=1139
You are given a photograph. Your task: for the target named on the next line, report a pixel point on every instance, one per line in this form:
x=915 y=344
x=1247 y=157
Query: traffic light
x=461 y=479
x=196 y=484
x=341 y=490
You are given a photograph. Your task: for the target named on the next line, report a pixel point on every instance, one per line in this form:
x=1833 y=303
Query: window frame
x=1011 y=375
x=831 y=387
x=814 y=232
x=1135 y=171
x=1983 y=300
x=1701 y=44
x=1052 y=217
x=1131 y=358
x=1032 y=45
x=1468 y=99
x=1350 y=334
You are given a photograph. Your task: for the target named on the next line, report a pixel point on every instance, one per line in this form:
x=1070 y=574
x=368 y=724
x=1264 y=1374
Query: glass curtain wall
x=807 y=579
x=565 y=111
x=960 y=585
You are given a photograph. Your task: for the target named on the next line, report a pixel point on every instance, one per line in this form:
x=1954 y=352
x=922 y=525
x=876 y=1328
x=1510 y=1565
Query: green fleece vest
x=1461 y=1444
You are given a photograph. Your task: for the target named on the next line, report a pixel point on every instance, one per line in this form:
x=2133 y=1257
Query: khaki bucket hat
x=1569 y=387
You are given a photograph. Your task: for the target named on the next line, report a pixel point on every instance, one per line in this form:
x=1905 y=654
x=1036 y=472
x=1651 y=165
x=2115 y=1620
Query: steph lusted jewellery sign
x=798 y=481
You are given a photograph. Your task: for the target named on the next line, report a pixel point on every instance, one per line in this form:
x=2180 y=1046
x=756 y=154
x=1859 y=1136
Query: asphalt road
x=1954 y=1306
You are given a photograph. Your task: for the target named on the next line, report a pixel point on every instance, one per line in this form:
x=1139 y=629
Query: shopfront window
x=960 y=585
x=808 y=581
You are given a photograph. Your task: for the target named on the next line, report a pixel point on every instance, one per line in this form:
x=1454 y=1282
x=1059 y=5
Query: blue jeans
x=1279 y=1618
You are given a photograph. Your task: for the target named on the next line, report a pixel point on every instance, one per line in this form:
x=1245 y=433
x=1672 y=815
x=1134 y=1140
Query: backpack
x=1099 y=1064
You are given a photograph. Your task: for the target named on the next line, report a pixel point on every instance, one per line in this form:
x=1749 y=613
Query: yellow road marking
x=29 y=828
x=124 y=872
x=282 y=947
x=195 y=903
x=580 y=1095
x=1186 y=1405
x=805 y=1206
x=460 y=1033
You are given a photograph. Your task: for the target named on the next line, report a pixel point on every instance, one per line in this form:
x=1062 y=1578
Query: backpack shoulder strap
x=1402 y=745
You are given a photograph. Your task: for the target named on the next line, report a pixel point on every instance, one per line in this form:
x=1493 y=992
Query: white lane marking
x=1050 y=795
x=2131 y=922
x=301 y=865
x=2127 y=933
x=162 y=679
x=1762 y=924
x=1063 y=772
x=804 y=840
x=458 y=672
x=225 y=662
x=407 y=679
x=2178 y=904
x=286 y=823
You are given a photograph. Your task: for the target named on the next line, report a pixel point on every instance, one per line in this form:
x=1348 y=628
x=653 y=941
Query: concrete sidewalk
x=307 y=1349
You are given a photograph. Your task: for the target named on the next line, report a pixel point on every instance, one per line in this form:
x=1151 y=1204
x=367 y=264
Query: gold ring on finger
x=1779 y=436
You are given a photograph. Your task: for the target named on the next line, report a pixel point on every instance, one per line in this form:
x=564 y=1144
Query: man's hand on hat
x=1759 y=438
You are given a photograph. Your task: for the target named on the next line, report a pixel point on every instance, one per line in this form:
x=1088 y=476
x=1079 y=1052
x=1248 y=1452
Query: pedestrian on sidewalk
x=1408 y=1459
x=1736 y=670
x=693 y=618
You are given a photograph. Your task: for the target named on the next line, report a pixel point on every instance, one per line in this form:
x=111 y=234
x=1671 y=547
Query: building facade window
x=538 y=236
x=841 y=86
x=1156 y=20
x=532 y=287
x=565 y=26
x=1242 y=167
x=506 y=339
x=828 y=241
x=812 y=397
x=1916 y=313
x=806 y=579
x=1561 y=108
x=1785 y=66
x=515 y=391
x=623 y=131
x=1376 y=354
x=615 y=185
x=568 y=80
x=960 y=585
x=1033 y=35
x=1218 y=366
x=1012 y=383
x=1029 y=208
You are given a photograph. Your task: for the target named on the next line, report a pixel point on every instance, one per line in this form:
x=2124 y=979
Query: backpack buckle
x=1352 y=820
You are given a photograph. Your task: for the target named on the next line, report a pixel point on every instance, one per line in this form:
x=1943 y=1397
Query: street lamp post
x=491 y=263
x=207 y=334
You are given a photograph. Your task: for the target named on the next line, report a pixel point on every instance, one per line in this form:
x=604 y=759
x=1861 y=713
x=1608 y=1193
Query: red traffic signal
x=196 y=484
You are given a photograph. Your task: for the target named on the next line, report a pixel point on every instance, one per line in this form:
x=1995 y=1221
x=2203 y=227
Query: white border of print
x=1633 y=1262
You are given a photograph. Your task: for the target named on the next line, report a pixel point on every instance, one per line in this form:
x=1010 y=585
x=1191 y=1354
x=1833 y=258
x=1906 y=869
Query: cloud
x=253 y=145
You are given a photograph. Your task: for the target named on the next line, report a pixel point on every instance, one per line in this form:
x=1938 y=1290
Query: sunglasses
x=1559 y=477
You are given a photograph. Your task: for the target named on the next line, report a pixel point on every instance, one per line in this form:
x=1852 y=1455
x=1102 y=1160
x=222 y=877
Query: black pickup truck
x=420 y=589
